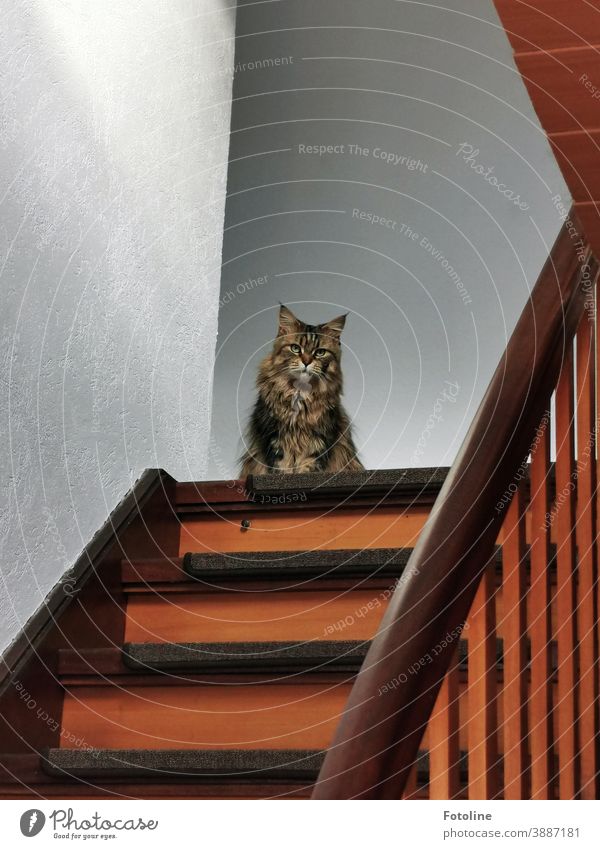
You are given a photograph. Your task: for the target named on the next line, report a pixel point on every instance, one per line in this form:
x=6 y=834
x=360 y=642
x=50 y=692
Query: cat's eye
x=320 y=352
x=295 y=349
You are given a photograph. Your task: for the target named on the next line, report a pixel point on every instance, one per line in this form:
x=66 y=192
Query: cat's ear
x=334 y=327
x=288 y=323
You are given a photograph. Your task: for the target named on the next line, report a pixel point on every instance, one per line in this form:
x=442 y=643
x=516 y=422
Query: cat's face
x=308 y=351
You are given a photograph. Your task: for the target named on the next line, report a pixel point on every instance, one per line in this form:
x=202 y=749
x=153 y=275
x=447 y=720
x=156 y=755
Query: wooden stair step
x=172 y=712
x=202 y=569
x=99 y=667
x=322 y=563
x=101 y=773
x=284 y=657
x=378 y=481
x=386 y=508
x=294 y=614
x=295 y=608
x=26 y=776
x=210 y=765
x=330 y=655
x=249 y=764
x=294 y=491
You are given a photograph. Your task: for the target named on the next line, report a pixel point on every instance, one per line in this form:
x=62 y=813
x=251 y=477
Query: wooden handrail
x=393 y=696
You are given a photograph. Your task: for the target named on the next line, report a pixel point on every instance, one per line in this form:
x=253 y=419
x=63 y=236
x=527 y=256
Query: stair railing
x=378 y=737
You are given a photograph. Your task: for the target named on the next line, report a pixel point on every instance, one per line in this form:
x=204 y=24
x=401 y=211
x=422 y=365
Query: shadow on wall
x=385 y=161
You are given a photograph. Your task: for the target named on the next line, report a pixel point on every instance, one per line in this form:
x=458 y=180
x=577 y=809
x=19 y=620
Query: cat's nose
x=305 y=360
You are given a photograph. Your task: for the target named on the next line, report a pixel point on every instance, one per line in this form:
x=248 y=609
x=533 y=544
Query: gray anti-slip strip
x=207 y=764
x=365 y=562
x=379 y=480
x=346 y=654
x=211 y=763
x=326 y=655
x=376 y=561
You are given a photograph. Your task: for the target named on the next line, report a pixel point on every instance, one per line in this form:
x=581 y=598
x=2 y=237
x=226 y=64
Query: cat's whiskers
x=298 y=423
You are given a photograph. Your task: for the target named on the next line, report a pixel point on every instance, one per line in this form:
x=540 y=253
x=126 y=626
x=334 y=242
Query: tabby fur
x=298 y=423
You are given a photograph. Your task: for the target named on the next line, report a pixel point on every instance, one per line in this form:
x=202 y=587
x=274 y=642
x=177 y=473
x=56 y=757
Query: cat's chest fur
x=298 y=423
x=301 y=420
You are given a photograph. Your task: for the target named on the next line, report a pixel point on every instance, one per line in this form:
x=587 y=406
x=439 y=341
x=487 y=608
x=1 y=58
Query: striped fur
x=298 y=423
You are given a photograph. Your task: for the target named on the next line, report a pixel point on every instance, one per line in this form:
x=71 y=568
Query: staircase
x=238 y=651
x=402 y=633
x=238 y=654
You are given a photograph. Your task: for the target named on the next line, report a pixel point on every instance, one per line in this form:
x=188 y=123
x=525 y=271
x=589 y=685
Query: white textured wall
x=113 y=158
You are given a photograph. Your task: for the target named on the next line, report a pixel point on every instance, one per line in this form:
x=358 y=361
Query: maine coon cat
x=298 y=423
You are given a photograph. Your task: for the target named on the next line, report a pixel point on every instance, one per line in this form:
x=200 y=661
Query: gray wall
x=113 y=138
x=389 y=91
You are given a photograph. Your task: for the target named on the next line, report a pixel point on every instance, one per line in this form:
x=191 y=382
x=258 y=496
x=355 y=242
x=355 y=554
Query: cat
x=298 y=423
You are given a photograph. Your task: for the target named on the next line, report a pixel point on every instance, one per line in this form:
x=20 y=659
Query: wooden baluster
x=514 y=634
x=541 y=733
x=566 y=632
x=597 y=472
x=483 y=748
x=367 y=759
x=587 y=563
x=444 y=766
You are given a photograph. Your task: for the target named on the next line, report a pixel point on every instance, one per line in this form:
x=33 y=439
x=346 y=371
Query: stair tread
x=377 y=480
x=203 y=568
x=243 y=764
x=297 y=491
x=210 y=763
x=323 y=562
x=251 y=656
x=256 y=655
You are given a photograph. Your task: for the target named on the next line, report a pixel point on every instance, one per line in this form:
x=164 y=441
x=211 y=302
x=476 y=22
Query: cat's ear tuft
x=334 y=327
x=288 y=323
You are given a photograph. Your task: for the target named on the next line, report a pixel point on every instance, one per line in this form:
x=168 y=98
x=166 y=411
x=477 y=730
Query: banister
x=392 y=698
